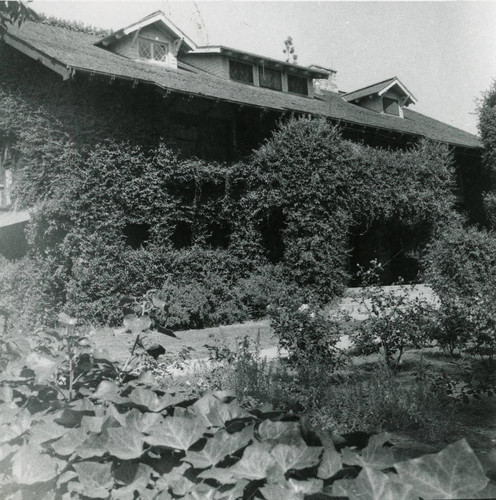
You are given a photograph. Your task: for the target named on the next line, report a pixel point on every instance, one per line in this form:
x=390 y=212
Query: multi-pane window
x=155 y=51
x=297 y=85
x=270 y=78
x=241 y=72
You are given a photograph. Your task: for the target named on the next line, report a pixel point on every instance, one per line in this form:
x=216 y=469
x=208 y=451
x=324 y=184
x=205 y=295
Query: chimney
x=328 y=84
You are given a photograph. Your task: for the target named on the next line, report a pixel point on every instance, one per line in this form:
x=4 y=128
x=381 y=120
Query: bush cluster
x=461 y=267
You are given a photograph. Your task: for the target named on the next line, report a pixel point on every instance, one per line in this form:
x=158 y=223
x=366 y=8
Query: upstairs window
x=152 y=50
x=297 y=85
x=241 y=72
x=390 y=106
x=270 y=78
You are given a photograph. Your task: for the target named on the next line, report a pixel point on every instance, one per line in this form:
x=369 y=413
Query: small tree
x=290 y=51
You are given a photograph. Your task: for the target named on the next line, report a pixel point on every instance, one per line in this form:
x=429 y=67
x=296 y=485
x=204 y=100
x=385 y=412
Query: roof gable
x=380 y=89
x=156 y=17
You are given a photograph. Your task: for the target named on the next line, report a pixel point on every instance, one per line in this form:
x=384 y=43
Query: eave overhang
x=268 y=62
x=153 y=18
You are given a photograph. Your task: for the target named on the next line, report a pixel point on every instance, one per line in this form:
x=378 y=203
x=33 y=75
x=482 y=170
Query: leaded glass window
x=156 y=51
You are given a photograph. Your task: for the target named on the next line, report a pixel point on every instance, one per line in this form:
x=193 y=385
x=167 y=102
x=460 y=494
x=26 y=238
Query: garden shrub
x=306 y=332
x=309 y=190
x=461 y=268
x=395 y=324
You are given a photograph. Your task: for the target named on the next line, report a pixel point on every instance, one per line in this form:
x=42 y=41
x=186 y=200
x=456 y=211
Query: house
x=216 y=102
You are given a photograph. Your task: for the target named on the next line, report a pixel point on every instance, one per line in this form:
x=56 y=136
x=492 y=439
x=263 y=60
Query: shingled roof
x=69 y=52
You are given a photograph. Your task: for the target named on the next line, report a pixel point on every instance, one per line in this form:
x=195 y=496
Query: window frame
x=261 y=72
x=290 y=75
x=152 y=43
x=241 y=63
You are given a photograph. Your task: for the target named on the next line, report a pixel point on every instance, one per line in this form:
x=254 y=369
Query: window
x=297 y=85
x=270 y=78
x=155 y=51
x=390 y=106
x=241 y=72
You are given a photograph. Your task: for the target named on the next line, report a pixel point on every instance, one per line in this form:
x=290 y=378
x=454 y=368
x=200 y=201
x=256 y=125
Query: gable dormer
x=153 y=39
x=388 y=97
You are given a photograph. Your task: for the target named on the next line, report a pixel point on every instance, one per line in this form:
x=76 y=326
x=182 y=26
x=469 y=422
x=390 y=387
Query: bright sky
x=443 y=52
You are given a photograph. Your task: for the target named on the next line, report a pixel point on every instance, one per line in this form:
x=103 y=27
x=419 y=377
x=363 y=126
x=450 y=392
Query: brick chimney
x=329 y=83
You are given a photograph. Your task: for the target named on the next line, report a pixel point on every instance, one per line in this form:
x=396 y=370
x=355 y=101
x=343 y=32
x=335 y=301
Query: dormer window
x=153 y=50
x=270 y=78
x=388 y=97
x=297 y=85
x=241 y=72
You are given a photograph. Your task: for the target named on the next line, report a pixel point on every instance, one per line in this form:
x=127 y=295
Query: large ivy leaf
x=282 y=432
x=178 y=432
x=31 y=466
x=46 y=431
x=141 y=421
x=65 y=477
x=163 y=482
x=223 y=476
x=254 y=463
x=372 y=484
x=216 y=412
x=8 y=412
x=219 y=447
x=292 y=489
x=93 y=424
x=114 y=416
x=147 y=400
x=234 y=493
x=125 y=444
x=202 y=492
x=280 y=491
x=93 y=446
x=296 y=457
x=19 y=425
x=454 y=472
x=134 y=476
x=96 y=478
x=180 y=486
x=331 y=459
x=68 y=443
x=375 y=454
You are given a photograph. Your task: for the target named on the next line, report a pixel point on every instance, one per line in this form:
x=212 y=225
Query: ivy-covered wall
x=120 y=209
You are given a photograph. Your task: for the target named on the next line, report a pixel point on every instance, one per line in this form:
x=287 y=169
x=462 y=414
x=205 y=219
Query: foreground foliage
x=75 y=423
x=135 y=439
